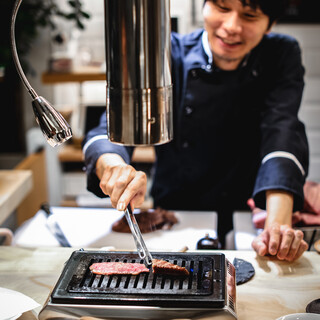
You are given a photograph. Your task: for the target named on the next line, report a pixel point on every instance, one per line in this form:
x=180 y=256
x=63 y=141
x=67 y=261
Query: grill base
x=209 y=290
x=54 y=311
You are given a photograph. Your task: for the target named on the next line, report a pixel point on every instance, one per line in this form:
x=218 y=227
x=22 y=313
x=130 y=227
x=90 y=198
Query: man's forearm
x=279 y=207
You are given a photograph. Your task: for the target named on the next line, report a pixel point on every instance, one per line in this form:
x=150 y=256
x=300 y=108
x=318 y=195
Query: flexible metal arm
x=15 y=53
x=54 y=127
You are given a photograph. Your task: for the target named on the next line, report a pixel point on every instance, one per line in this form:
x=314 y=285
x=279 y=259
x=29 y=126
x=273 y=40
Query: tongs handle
x=135 y=230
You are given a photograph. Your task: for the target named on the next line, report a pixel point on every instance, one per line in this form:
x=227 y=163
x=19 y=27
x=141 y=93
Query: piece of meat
x=148 y=221
x=110 y=268
x=167 y=268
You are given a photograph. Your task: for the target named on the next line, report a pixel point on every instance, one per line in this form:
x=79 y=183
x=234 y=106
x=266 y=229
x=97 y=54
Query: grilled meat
x=148 y=221
x=110 y=268
x=167 y=268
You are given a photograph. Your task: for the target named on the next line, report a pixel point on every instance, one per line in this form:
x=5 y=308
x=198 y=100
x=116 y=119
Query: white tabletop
x=91 y=228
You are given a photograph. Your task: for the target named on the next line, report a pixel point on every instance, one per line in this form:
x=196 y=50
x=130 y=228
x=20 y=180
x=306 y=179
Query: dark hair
x=272 y=8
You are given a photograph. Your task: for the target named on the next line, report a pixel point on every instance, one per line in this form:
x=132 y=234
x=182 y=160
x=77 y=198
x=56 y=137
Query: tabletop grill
x=145 y=296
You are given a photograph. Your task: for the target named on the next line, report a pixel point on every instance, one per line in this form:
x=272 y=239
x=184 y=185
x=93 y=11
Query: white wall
x=309 y=39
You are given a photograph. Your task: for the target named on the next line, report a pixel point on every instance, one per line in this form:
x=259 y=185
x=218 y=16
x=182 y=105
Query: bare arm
x=121 y=181
x=279 y=238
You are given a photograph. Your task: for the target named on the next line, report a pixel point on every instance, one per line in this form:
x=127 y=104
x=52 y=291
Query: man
x=237 y=92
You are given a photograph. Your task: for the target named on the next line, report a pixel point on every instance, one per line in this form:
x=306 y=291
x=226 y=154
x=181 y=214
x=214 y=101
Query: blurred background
x=61 y=47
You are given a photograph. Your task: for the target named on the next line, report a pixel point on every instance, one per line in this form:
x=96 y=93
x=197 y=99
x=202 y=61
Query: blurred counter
x=278 y=287
x=14 y=186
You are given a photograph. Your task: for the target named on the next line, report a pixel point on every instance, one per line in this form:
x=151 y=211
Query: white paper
x=13 y=304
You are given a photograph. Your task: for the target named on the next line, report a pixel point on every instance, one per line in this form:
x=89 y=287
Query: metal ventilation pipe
x=139 y=85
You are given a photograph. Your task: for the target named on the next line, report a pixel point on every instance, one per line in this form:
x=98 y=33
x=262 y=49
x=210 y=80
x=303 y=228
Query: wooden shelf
x=144 y=155
x=71 y=153
x=79 y=75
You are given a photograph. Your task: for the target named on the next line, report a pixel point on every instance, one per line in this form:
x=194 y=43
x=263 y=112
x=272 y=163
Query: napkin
x=13 y=304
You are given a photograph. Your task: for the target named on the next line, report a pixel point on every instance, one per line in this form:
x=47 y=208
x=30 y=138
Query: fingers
x=292 y=245
x=259 y=244
x=275 y=238
x=288 y=239
x=110 y=176
x=297 y=248
x=134 y=192
x=281 y=241
x=124 y=185
x=117 y=184
x=302 y=248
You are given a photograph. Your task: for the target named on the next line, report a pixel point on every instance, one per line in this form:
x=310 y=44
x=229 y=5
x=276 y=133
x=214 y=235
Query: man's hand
x=281 y=241
x=121 y=182
x=278 y=238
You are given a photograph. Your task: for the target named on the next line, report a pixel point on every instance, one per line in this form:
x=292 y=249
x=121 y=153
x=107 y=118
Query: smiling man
x=234 y=28
x=237 y=93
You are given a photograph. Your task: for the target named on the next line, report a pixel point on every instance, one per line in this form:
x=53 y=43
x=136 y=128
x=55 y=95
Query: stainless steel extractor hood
x=139 y=86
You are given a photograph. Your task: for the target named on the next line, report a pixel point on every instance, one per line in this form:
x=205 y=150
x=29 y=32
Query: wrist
x=279 y=207
x=107 y=160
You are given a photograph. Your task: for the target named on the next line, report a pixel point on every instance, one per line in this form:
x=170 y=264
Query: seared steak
x=167 y=268
x=109 y=268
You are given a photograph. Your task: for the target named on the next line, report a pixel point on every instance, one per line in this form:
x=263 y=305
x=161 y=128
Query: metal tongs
x=135 y=230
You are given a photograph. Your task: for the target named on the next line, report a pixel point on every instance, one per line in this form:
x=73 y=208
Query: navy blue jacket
x=236 y=133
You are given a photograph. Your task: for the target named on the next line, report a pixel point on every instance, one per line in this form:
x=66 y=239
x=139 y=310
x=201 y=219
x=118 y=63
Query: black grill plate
x=204 y=287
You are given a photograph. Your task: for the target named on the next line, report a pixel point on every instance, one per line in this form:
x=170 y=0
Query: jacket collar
x=206 y=46
x=208 y=52
x=195 y=54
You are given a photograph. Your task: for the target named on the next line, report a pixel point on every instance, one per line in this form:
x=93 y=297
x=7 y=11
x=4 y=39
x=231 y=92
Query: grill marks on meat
x=167 y=268
x=110 y=268
x=158 y=267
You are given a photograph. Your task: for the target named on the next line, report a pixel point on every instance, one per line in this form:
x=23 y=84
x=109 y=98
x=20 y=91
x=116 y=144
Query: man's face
x=233 y=30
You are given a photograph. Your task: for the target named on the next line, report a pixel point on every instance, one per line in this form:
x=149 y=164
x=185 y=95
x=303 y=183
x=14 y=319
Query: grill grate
x=199 y=281
x=204 y=285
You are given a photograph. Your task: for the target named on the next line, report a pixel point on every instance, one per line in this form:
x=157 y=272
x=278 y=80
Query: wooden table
x=278 y=288
x=14 y=186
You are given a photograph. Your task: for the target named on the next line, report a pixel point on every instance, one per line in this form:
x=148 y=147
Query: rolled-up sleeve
x=284 y=145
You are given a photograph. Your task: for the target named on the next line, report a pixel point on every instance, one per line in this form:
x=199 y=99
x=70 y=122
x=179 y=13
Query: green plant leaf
x=33 y=16
x=71 y=16
x=80 y=24
x=85 y=14
x=72 y=3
